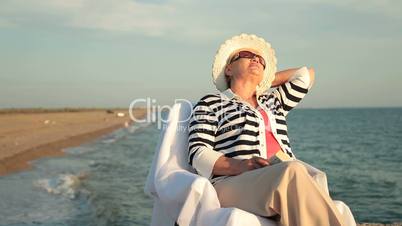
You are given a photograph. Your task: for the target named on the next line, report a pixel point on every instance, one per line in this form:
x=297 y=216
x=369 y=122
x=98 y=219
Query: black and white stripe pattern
x=223 y=123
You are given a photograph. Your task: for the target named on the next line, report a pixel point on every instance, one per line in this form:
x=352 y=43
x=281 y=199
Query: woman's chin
x=256 y=70
x=257 y=73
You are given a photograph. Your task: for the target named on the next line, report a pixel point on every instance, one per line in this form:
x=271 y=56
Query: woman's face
x=245 y=69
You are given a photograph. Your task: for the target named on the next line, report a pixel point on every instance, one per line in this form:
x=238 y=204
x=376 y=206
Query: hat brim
x=243 y=41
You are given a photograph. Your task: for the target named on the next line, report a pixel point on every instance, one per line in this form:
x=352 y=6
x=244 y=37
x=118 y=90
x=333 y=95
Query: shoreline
x=22 y=143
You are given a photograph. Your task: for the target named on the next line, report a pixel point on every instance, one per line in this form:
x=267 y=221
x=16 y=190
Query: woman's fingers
x=261 y=161
x=246 y=165
x=252 y=163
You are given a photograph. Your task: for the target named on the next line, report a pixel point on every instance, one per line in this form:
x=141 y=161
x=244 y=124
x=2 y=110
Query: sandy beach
x=29 y=135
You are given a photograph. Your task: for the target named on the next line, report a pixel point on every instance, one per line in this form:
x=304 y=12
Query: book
x=279 y=156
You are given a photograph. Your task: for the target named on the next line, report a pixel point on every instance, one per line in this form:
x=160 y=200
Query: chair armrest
x=177 y=185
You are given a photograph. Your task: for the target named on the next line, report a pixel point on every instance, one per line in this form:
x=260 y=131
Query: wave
x=109 y=140
x=67 y=185
x=78 y=150
x=134 y=127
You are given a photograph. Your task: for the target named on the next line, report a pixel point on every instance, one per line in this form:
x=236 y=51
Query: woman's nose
x=255 y=58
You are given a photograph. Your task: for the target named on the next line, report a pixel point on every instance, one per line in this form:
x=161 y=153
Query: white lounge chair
x=184 y=198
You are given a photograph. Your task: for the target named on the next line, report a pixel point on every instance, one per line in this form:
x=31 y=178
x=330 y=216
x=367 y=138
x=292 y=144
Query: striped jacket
x=223 y=124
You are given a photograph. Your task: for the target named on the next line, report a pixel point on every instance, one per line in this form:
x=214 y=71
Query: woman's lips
x=255 y=65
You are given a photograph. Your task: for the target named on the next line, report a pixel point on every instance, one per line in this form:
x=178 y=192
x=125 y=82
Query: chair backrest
x=171 y=151
x=179 y=145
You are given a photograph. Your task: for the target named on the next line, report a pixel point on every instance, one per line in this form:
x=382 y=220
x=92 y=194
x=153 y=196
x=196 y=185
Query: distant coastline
x=27 y=134
x=56 y=110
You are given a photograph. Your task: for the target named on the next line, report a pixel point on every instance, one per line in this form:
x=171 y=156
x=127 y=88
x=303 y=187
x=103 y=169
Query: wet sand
x=29 y=135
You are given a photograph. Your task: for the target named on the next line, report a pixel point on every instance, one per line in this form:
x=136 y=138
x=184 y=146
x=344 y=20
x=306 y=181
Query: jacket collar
x=229 y=94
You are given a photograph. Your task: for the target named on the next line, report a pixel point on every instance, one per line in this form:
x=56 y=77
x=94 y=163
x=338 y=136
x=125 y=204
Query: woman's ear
x=228 y=71
x=228 y=74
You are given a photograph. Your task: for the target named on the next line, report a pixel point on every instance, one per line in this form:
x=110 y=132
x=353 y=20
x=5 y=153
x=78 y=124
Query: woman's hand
x=231 y=167
x=251 y=164
x=284 y=76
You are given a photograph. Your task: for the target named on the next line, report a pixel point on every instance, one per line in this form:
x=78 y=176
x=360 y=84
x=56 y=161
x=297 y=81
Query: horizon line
x=127 y=107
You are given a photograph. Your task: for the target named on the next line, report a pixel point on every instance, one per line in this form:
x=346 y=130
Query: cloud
x=126 y=16
x=161 y=19
x=387 y=8
x=122 y=16
x=5 y=23
x=391 y=8
x=179 y=19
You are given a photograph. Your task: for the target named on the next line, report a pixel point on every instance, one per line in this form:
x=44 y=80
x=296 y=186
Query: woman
x=233 y=134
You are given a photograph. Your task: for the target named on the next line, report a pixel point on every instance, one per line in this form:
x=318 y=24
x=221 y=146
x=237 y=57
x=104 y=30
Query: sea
x=102 y=182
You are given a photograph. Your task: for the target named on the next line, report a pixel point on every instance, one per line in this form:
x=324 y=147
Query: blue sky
x=98 y=53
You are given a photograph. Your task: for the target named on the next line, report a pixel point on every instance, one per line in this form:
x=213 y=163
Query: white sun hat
x=240 y=42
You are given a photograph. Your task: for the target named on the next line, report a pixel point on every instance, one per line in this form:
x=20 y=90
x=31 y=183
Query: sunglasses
x=248 y=55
